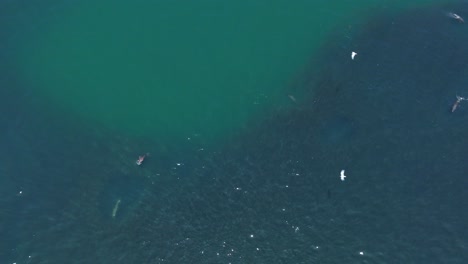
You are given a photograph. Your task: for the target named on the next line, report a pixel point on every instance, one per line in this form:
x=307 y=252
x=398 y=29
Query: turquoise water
x=249 y=111
x=171 y=69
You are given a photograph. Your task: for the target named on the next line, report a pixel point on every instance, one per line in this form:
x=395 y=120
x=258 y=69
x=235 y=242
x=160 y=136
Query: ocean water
x=249 y=111
x=170 y=69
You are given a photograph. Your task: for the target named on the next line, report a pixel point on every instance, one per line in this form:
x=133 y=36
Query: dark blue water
x=273 y=193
